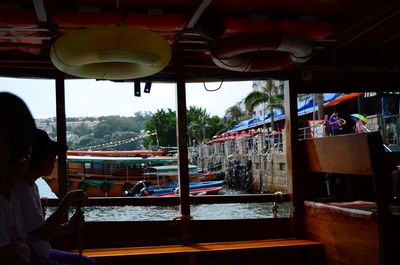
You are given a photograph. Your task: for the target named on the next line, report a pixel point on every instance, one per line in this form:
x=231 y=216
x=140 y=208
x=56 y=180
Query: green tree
x=81 y=130
x=198 y=128
x=268 y=96
x=102 y=129
x=87 y=141
x=162 y=122
x=216 y=125
x=233 y=115
x=194 y=117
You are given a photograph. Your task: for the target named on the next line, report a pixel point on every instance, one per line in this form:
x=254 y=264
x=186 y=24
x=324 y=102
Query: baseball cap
x=42 y=143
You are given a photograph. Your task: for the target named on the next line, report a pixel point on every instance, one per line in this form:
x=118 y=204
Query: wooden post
x=292 y=155
x=183 y=173
x=61 y=134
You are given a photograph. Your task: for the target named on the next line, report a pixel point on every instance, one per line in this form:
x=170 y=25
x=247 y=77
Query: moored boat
x=108 y=173
x=111 y=174
x=143 y=188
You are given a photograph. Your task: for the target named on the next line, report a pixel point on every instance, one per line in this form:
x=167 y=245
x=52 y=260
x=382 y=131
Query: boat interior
x=346 y=46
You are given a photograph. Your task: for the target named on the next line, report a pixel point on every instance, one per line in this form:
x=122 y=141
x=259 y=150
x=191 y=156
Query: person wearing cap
x=39 y=230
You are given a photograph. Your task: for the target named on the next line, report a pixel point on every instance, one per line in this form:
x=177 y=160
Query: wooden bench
x=347 y=238
x=110 y=255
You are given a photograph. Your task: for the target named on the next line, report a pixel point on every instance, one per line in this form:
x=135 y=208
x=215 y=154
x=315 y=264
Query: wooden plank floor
x=199 y=248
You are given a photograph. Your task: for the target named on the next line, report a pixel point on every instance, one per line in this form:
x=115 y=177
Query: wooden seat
x=200 y=248
x=367 y=235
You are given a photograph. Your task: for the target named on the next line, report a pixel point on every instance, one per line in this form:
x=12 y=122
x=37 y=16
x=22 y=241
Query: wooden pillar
x=183 y=173
x=292 y=155
x=61 y=134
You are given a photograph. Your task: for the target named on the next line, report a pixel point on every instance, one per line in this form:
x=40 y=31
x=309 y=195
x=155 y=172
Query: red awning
x=343 y=99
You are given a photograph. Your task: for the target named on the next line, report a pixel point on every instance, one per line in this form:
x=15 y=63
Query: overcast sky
x=102 y=98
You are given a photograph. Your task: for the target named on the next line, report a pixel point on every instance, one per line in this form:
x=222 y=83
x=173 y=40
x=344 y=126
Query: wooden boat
x=108 y=173
x=111 y=174
x=355 y=48
x=144 y=188
x=171 y=172
x=192 y=192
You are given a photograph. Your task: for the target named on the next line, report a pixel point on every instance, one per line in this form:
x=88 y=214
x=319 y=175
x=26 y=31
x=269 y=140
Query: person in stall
x=336 y=123
x=39 y=230
x=16 y=132
x=359 y=126
x=327 y=127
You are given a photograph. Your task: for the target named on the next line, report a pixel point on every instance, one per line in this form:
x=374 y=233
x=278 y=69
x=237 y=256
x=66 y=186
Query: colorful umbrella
x=358 y=116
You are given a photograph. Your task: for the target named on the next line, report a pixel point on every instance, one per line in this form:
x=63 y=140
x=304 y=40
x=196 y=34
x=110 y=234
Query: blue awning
x=304 y=107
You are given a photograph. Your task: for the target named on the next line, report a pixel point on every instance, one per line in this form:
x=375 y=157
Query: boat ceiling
x=364 y=37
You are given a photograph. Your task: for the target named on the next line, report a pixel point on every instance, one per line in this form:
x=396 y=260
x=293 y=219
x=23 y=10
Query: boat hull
x=118 y=183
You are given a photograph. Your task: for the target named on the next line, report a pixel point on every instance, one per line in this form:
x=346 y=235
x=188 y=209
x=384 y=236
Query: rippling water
x=205 y=211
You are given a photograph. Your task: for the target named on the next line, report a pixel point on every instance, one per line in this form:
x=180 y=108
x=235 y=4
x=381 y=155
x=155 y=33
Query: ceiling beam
x=198 y=13
x=194 y=19
x=40 y=11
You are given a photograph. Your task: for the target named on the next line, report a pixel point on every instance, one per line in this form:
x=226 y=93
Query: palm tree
x=268 y=96
x=234 y=113
x=198 y=128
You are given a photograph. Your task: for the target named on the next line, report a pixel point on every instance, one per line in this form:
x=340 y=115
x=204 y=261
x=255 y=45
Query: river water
x=199 y=212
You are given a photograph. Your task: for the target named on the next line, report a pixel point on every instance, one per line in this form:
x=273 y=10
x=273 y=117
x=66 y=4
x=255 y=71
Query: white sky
x=103 y=98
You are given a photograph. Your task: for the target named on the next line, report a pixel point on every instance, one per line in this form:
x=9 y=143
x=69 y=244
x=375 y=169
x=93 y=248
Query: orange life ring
x=72 y=19
x=170 y=22
x=19 y=19
x=249 y=53
x=312 y=29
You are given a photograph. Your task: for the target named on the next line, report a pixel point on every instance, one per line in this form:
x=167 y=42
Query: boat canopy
x=170 y=170
x=121 y=160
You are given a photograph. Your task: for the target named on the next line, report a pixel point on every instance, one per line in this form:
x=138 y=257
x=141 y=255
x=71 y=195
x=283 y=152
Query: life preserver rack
x=260 y=53
x=23 y=33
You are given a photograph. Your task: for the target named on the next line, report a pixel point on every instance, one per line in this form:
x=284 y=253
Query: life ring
x=314 y=30
x=244 y=53
x=169 y=22
x=83 y=186
x=114 y=53
x=72 y=19
x=19 y=19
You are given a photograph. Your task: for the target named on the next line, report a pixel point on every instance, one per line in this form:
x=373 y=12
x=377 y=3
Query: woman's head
x=17 y=131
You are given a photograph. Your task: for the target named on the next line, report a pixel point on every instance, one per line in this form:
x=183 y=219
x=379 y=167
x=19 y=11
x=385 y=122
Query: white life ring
x=114 y=53
x=253 y=53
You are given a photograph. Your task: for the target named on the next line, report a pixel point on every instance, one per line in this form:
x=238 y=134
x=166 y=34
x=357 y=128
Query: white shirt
x=12 y=231
x=32 y=215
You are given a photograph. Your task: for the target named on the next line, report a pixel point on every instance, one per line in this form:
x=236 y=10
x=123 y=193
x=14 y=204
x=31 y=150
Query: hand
x=76 y=221
x=75 y=197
